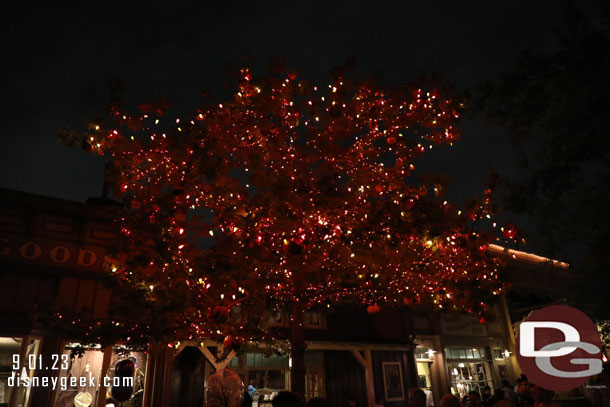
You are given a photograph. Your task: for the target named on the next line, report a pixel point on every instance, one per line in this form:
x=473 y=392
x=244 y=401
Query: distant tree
x=308 y=197
x=556 y=110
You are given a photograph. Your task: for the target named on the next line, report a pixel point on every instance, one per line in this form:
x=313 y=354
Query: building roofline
x=32 y=200
x=16 y=194
x=8 y=195
x=525 y=256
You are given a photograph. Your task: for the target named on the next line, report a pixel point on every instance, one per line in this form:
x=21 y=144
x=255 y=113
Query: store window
x=270 y=374
x=266 y=372
x=423 y=376
x=498 y=353
x=314 y=320
x=139 y=359
x=262 y=371
x=276 y=317
x=465 y=353
x=30 y=348
x=422 y=352
x=424 y=360
x=469 y=370
x=501 y=360
x=8 y=348
x=18 y=361
x=89 y=366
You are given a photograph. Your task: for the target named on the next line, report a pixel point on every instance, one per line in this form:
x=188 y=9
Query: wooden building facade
x=54 y=258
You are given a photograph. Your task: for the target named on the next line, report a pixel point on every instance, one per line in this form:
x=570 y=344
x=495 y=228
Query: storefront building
x=53 y=258
x=350 y=354
x=457 y=353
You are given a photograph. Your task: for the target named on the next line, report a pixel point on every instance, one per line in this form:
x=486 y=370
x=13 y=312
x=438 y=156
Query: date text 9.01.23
x=33 y=362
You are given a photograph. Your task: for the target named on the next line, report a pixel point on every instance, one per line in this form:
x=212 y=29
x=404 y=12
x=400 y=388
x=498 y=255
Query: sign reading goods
x=56 y=254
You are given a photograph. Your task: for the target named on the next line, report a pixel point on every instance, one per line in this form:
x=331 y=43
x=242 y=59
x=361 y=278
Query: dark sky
x=60 y=57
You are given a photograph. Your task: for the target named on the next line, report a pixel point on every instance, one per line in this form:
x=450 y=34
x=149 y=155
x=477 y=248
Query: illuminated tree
x=291 y=196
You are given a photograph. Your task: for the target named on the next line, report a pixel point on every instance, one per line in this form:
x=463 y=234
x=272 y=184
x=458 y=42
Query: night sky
x=60 y=58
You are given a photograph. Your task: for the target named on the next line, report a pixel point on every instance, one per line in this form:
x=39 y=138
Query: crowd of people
x=524 y=394
x=225 y=389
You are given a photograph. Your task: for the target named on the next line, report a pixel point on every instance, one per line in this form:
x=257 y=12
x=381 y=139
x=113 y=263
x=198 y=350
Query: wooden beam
x=512 y=348
x=101 y=394
x=359 y=358
x=147 y=377
x=314 y=345
x=203 y=348
x=208 y=355
x=368 y=375
x=184 y=344
x=365 y=360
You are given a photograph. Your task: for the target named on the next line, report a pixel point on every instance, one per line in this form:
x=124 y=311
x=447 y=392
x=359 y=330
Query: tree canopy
x=290 y=195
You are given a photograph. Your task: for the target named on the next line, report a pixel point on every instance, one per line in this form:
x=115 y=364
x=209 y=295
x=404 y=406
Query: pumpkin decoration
x=373 y=309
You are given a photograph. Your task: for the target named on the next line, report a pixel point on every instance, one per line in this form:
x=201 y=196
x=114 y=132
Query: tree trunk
x=297 y=350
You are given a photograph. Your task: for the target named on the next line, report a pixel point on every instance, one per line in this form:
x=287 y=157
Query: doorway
x=188 y=378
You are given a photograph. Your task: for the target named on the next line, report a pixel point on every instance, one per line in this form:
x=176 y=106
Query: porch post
x=101 y=394
x=511 y=337
x=366 y=361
